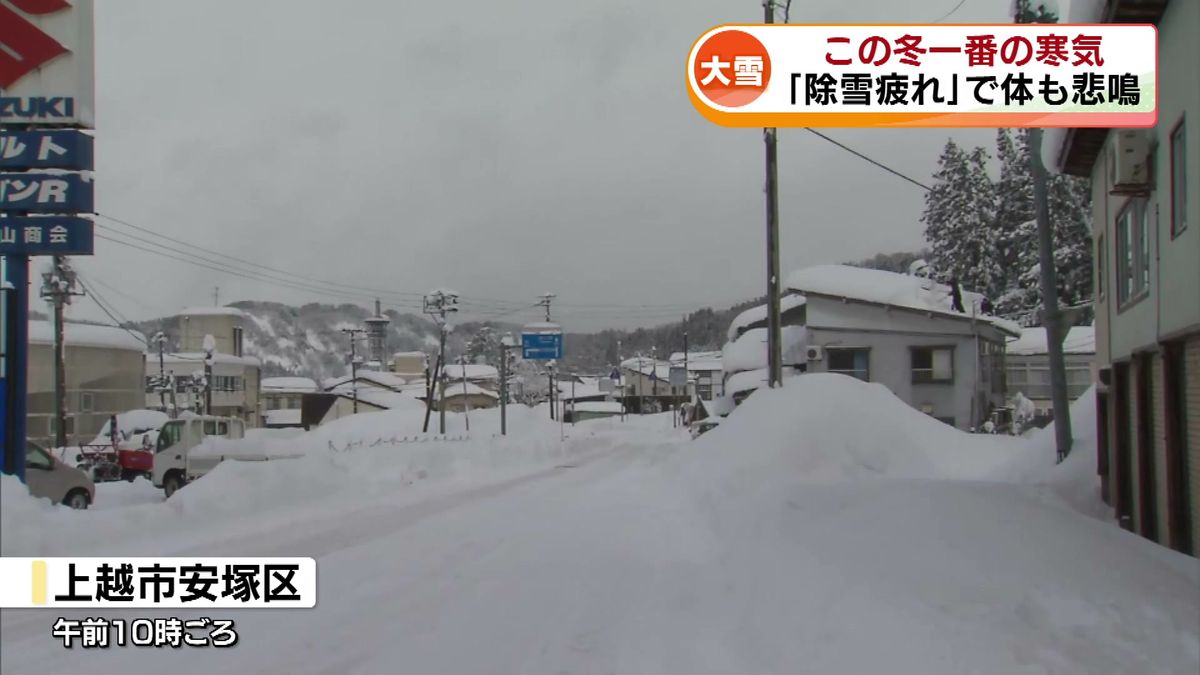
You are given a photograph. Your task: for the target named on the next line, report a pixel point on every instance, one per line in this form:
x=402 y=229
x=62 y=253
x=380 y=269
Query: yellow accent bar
x=39 y=582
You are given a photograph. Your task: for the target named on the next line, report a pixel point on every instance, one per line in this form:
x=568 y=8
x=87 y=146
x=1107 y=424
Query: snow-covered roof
x=569 y=391
x=890 y=288
x=461 y=388
x=542 y=327
x=382 y=378
x=282 y=417
x=88 y=335
x=410 y=355
x=198 y=359
x=698 y=361
x=472 y=371
x=289 y=384
x=1079 y=340
x=749 y=352
x=649 y=368
x=613 y=407
x=759 y=313
x=212 y=311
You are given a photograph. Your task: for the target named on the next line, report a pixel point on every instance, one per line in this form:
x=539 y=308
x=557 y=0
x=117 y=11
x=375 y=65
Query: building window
x=849 y=361
x=933 y=365
x=1133 y=255
x=87 y=402
x=237 y=341
x=1178 y=181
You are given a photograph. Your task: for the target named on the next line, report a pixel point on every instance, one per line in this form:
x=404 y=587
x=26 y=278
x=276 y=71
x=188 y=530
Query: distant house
x=705 y=370
x=282 y=398
x=904 y=332
x=464 y=396
x=235 y=377
x=410 y=365
x=104 y=372
x=646 y=386
x=1027 y=364
x=481 y=375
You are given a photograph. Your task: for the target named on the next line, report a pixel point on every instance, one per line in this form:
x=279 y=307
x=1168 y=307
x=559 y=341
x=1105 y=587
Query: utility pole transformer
x=354 y=333
x=437 y=304
x=58 y=286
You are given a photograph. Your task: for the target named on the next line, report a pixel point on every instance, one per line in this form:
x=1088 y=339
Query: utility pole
x=774 y=329
x=437 y=304
x=1051 y=317
x=353 y=333
x=462 y=363
x=547 y=298
x=506 y=343
x=209 y=346
x=216 y=296
x=58 y=286
x=161 y=340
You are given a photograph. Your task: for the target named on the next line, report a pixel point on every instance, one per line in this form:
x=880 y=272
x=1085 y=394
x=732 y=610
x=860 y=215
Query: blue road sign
x=46 y=235
x=541 y=346
x=46 y=149
x=46 y=193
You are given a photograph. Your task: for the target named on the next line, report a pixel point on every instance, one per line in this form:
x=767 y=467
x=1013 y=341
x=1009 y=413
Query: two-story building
x=235 y=383
x=1146 y=252
x=281 y=400
x=104 y=367
x=899 y=330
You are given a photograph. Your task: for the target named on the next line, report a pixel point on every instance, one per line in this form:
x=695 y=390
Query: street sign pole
x=16 y=354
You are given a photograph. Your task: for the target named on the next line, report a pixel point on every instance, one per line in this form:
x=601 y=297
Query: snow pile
x=827 y=428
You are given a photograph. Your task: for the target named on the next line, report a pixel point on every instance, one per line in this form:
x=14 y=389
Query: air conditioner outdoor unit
x=814 y=353
x=1128 y=155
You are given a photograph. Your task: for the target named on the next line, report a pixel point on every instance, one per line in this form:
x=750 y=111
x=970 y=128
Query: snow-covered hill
x=308 y=340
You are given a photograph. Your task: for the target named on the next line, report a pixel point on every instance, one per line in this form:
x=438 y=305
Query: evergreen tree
x=484 y=347
x=1014 y=206
x=960 y=214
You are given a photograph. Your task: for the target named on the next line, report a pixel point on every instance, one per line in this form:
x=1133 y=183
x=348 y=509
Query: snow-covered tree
x=960 y=216
x=484 y=347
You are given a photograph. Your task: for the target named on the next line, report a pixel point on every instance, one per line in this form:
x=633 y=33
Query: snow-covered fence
x=393 y=441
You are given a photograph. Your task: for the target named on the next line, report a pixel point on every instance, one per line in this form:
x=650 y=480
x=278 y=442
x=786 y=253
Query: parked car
x=48 y=477
x=174 y=466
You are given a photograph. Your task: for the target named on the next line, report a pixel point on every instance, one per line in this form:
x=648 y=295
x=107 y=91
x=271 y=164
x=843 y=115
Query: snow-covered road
x=677 y=557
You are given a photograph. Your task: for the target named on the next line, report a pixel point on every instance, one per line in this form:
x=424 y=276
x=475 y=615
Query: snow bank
x=276 y=473
x=828 y=428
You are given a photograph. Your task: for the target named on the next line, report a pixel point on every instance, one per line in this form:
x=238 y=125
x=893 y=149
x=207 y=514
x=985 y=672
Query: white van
x=173 y=467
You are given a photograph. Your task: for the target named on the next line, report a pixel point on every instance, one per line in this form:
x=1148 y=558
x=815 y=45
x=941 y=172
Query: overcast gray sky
x=500 y=149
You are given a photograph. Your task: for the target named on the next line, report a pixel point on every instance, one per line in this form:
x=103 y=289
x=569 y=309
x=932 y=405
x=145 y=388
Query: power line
x=947 y=15
x=872 y=161
x=255 y=263
x=225 y=269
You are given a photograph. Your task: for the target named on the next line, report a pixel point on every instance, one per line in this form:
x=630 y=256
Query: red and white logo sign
x=46 y=62
x=23 y=46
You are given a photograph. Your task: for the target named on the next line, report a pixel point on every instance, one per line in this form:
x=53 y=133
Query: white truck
x=174 y=465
